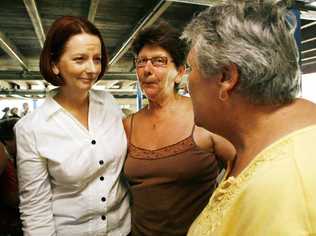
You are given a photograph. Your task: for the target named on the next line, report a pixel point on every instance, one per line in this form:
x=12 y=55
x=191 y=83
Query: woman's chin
x=85 y=86
x=150 y=93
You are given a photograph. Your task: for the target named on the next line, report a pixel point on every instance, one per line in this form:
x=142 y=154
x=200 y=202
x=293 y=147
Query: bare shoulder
x=127 y=121
x=203 y=138
x=212 y=142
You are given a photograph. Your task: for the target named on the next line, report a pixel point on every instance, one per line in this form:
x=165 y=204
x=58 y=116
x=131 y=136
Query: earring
x=59 y=80
x=222 y=96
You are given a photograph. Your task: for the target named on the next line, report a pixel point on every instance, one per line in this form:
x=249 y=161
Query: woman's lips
x=87 y=80
x=149 y=83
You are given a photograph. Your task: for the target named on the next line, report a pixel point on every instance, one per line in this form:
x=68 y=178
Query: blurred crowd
x=10 y=223
x=13 y=112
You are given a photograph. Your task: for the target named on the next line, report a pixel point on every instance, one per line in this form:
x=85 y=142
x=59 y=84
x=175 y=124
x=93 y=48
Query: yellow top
x=274 y=196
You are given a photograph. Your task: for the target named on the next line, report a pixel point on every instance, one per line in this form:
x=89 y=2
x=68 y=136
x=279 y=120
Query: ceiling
x=23 y=24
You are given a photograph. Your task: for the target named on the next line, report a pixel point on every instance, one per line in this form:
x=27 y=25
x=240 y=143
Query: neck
x=162 y=104
x=72 y=99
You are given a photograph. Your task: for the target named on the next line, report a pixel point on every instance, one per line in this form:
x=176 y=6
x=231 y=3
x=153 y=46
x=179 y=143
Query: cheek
x=69 y=69
x=99 y=68
x=161 y=75
x=197 y=92
x=139 y=74
x=172 y=76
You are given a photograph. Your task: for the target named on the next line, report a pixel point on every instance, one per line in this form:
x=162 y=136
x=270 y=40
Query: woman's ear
x=181 y=72
x=55 y=69
x=228 y=81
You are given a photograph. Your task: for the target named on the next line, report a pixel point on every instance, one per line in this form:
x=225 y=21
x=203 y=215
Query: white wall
x=309 y=87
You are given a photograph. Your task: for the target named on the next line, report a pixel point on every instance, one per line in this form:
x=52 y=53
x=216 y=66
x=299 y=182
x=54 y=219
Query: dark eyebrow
x=153 y=56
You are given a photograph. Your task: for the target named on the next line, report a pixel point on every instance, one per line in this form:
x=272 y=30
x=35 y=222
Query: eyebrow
x=153 y=56
x=83 y=54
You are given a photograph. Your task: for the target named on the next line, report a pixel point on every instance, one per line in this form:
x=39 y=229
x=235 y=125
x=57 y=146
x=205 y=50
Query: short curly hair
x=258 y=37
x=163 y=35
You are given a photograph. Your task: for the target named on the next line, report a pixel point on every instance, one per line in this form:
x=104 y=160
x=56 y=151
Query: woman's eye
x=142 y=61
x=97 y=60
x=78 y=59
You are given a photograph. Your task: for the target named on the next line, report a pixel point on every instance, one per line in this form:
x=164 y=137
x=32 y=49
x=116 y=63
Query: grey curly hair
x=257 y=36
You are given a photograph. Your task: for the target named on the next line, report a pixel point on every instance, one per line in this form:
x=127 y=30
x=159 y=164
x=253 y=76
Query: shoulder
x=203 y=138
x=31 y=121
x=108 y=101
x=207 y=140
x=304 y=156
x=103 y=96
x=129 y=120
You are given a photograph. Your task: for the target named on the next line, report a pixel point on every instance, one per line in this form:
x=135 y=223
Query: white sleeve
x=34 y=187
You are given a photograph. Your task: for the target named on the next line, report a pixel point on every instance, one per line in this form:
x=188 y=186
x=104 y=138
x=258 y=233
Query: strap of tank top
x=131 y=129
x=193 y=128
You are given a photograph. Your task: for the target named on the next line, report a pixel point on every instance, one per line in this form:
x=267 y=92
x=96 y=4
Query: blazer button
x=103 y=199
x=93 y=142
x=103 y=217
x=101 y=162
x=101 y=178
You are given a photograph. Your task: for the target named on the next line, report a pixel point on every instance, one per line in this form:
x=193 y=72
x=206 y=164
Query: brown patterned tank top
x=169 y=186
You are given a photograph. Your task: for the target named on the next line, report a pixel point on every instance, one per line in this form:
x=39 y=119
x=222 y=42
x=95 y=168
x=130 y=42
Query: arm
x=223 y=148
x=211 y=142
x=127 y=126
x=34 y=188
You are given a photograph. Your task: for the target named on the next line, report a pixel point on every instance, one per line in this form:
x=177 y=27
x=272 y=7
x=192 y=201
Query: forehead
x=81 y=42
x=152 y=51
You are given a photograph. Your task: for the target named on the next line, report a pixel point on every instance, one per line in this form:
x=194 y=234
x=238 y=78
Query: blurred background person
x=7 y=136
x=9 y=214
x=245 y=75
x=71 y=149
x=6 y=112
x=26 y=109
x=14 y=112
x=171 y=164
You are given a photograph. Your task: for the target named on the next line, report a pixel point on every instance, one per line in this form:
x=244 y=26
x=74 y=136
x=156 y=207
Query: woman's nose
x=91 y=67
x=148 y=66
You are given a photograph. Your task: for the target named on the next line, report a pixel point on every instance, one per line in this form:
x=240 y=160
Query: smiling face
x=159 y=80
x=80 y=64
